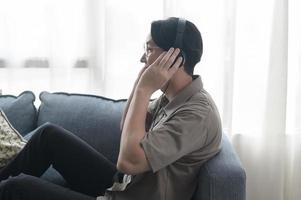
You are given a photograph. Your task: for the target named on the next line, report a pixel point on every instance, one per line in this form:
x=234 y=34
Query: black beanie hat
x=163 y=33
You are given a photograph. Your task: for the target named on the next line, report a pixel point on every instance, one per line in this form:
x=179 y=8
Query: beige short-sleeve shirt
x=182 y=135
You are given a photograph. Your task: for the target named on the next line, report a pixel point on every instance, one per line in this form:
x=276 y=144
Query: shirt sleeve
x=181 y=134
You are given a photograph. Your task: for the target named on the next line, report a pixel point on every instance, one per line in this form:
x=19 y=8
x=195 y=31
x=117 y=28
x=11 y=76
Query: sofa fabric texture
x=96 y=120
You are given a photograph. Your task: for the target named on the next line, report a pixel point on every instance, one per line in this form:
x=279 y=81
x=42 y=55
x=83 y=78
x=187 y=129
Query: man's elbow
x=126 y=167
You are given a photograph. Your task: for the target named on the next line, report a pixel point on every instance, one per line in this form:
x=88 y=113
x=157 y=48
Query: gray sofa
x=96 y=120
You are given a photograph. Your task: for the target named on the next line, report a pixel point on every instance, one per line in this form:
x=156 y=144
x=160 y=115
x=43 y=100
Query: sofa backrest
x=20 y=111
x=95 y=119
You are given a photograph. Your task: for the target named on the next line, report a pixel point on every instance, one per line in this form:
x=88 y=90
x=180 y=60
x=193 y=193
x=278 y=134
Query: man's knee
x=47 y=129
x=48 y=126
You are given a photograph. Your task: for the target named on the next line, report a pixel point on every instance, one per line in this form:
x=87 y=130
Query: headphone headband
x=180 y=32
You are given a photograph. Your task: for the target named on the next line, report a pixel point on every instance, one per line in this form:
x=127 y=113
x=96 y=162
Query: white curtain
x=251 y=65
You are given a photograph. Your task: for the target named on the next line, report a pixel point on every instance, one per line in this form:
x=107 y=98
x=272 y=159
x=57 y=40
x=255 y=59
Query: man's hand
x=159 y=72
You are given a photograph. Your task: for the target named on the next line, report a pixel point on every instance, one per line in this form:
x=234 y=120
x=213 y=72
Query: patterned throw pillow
x=11 y=142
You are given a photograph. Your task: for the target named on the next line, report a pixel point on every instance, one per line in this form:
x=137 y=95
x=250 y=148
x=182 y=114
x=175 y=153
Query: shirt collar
x=180 y=98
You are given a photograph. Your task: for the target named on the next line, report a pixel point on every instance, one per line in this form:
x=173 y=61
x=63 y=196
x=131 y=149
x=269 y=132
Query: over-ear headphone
x=179 y=39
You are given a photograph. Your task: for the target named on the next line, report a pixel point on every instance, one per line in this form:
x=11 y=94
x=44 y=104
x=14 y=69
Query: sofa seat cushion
x=20 y=111
x=94 y=119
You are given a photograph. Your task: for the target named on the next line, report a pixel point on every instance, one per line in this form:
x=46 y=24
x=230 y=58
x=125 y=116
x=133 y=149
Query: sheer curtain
x=251 y=65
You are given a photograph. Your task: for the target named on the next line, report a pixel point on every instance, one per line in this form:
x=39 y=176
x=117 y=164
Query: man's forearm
x=134 y=127
x=130 y=98
x=128 y=102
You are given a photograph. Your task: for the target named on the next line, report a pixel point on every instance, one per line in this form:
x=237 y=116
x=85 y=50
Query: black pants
x=87 y=172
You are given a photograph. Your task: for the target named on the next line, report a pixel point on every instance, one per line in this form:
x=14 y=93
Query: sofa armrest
x=222 y=177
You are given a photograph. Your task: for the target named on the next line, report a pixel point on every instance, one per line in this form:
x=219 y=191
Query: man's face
x=152 y=52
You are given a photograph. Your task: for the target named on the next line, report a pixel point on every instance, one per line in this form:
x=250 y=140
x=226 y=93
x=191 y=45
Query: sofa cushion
x=95 y=119
x=20 y=111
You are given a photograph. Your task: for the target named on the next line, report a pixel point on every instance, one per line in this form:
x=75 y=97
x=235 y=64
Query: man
x=163 y=144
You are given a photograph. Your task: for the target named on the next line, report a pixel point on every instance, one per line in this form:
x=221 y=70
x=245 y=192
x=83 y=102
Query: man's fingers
x=166 y=57
x=172 y=59
x=158 y=60
x=175 y=66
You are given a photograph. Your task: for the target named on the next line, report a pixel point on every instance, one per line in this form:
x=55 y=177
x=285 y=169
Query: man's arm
x=125 y=111
x=132 y=159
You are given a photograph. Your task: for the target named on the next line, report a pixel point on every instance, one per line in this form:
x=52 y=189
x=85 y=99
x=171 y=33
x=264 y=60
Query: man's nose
x=143 y=58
